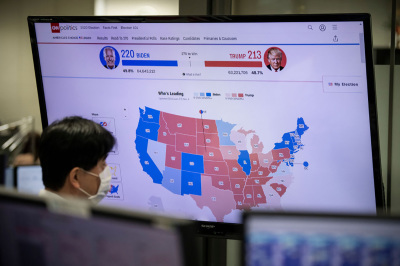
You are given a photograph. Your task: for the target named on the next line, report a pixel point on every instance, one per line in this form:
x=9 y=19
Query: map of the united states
x=219 y=166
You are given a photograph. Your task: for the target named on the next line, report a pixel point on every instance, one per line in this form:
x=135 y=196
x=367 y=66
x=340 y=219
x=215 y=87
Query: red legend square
x=55 y=27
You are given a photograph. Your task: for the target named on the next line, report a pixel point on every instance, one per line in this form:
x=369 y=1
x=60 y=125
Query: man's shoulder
x=50 y=195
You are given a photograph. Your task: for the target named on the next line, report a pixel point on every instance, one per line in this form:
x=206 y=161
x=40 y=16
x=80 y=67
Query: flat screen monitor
x=214 y=115
x=9 y=177
x=28 y=179
x=161 y=240
x=38 y=236
x=310 y=239
x=3 y=167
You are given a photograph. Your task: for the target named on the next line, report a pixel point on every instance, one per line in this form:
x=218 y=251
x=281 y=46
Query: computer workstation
x=40 y=232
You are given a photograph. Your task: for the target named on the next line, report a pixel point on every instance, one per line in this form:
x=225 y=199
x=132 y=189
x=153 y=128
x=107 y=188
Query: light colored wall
x=137 y=7
x=379 y=10
x=18 y=97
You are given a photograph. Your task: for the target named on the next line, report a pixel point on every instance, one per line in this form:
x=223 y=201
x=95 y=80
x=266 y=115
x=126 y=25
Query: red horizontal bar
x=233 y=63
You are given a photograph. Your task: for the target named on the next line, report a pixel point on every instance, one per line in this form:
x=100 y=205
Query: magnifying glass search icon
x=310 y=27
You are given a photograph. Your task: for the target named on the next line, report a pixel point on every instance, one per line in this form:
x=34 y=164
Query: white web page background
x=337 y=144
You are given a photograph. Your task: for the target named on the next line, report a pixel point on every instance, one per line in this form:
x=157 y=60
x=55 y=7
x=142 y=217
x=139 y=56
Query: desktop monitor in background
x=161 y=240
x=6 y=171
x=214 y=115
x=33 y=235
x=3 y=167
x=28 y=179
x=306 y=239
x=9 y=178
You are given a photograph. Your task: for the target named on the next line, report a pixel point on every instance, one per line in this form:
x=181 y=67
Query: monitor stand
x=212 y=251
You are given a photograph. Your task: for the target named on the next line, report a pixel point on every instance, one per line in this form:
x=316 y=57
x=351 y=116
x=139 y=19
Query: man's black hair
x=68 y=143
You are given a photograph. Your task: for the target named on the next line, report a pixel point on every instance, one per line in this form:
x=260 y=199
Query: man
x=109 y=56
x=275 y=60
x=73 y=155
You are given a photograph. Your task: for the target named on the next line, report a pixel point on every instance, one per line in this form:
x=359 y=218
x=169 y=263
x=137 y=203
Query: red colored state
x=279 y=188
x=258 y=181
x=265 y=159
x=185 y=143
x=163 y=134
x=274 y=166
x=256 y=145
x=255 y=164
x=211 y=140
x=281 y=154
x=259 y=196
x=237 y=185
x=210 y=154
x=240 y=205
x=206 y=126
x=215 y=168
x=180 y=124
x=260 y=172
x=235 y=170
x=220 y=202
x=221 y=182
x=172 y=157
x=248 y=196
x=229 y=152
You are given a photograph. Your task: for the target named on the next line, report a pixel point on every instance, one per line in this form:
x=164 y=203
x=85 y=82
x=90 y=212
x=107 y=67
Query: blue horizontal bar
x=150 y=63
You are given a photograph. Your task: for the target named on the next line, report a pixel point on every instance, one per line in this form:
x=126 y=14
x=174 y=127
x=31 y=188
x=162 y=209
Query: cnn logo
x=55 y=27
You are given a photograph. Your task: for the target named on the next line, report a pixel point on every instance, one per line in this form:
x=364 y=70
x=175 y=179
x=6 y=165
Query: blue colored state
x=244 y=161
x=224 y=133
x=147 y=130
x=292 y=140
x=150 y=115
x=145 y=160
x=192 y=163
x=287 y=142
x=172 y=180
x=191 y=183
x=301 y=126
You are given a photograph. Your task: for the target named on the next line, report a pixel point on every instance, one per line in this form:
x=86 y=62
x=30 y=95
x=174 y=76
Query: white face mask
x=105 y=184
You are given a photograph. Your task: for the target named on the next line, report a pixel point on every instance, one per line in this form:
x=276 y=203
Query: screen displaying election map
x=217 y=115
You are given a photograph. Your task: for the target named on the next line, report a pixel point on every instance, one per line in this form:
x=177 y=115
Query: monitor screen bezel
x=229 y=230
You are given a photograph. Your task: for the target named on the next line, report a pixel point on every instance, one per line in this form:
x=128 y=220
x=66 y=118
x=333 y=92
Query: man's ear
x=73 y=177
